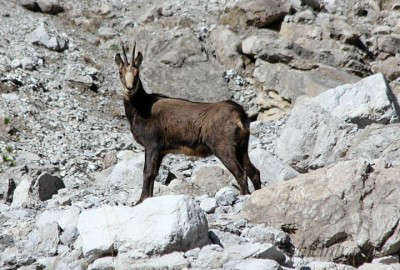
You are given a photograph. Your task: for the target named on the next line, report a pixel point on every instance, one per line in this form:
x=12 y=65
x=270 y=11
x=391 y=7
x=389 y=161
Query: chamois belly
x=196 y=151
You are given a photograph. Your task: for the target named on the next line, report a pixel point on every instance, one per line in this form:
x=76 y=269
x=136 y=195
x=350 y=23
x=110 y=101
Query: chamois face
x=129 y=72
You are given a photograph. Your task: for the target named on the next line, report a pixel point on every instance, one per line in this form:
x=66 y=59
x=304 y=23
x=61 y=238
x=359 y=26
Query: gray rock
x=311 y=137
x=378 y=266
x=271 y=168
x=44 y=240
x=209 y=179
x=173 y=56
x=29 y=4
x=105 y=263
x=128 y=172
x=41 y=36
x=259 y=13
x=225 y=238
x=329 y=41
x=183 y=226
x=48 y=186
x=328 y=266
x=208 y=205
x=28 y=63
x=67 y=219
x=317 y=132
x=255 y=250
x=376 y=142
x=22 y=196
x=210 y=257
x=68 y=236
x=171 y=261
x=264 y=234
x=226 y=44
x=82 y=77
x=388 y=67
x=252 y=264
x=351 y=219
x=226 y=196
x=387 y=259
x=50 y=6
x=106 y=32
x=389 y=44
x=370 y=101
x=290 y=84
x=45 y=6
x=266 y=45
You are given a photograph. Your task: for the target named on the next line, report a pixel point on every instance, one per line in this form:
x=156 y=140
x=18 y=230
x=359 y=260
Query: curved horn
x=133 y=53
x=124 y=53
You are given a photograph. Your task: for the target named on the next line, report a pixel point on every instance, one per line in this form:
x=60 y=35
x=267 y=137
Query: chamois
x=171 y=125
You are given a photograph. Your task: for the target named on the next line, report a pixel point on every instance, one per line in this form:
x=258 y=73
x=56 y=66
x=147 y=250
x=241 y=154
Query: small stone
x=208 y=205
x=50 y=6
x=48 y=186
x=22 y=196
x=28 y=63
x=226 y=196
x=68 y=236
x=252 y=264
x=41 y=36
x=105 y=263
x=106 y=32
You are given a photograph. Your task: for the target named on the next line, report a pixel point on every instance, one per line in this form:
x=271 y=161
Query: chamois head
x=129 y=72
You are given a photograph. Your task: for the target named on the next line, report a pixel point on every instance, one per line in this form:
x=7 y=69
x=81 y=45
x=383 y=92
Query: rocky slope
x=319 y=78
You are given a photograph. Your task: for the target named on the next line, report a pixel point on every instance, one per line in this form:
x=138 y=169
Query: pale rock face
x=183 y=226
x=22 y=196
x=312 y=208
x=318 y=128
x=253 y=264
x=128 y=172
x=272 y=169
x=226 y=196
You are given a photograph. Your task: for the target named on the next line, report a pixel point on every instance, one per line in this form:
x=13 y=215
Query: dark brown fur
x=169 y=125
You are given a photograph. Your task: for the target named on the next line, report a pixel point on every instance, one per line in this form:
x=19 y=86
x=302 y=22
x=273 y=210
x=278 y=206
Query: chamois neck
x=138 y=105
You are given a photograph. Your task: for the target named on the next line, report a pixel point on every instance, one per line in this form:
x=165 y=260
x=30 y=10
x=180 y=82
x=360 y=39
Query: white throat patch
x=129 y=79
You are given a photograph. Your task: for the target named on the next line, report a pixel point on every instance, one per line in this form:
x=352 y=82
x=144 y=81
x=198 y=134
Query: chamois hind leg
x=252 y=171
x=152 y=164
x=227 y=155
x=243 y=155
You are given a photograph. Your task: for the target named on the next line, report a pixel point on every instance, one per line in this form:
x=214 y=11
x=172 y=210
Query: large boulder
x=259 y=13
x=330 y=40
x=226 y=44
x=348 y=212
x=312 y=138
x=367 y=101
x=176 y=65
x=319 y=129
x=291 y=83
x=159 y=225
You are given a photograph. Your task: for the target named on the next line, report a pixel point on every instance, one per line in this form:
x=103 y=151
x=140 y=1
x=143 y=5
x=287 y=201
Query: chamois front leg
x=152 y=164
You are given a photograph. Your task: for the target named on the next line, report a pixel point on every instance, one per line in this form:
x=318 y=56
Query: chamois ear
x=118 y=60
x=138 y=60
